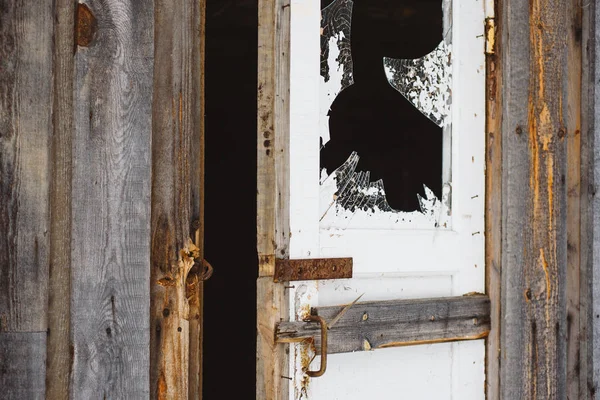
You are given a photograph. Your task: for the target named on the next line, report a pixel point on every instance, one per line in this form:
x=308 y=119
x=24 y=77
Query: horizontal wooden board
x=380 y=324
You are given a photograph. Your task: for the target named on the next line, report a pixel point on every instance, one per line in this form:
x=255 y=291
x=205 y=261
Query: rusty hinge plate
x=312 y=269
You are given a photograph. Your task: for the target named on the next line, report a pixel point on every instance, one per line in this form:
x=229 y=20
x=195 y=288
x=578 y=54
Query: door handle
x=321 y=321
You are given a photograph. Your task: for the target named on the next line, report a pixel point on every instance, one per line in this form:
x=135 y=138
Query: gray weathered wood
x=25 y=133
x=59 y=279
x=533 y=334
x=111 y=203
x=493 y=210
x=586 y=377
x=572 y=121
x=372 y=325
x=594 y=210
x=22 y=365
x=25 y=137
x=176 y=136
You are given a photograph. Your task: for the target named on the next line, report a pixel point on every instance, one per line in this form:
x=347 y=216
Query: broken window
x=384 y=109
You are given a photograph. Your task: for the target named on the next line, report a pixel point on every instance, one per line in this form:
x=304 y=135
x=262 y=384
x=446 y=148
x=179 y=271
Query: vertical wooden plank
x=533 y=336
x=586 y=385
x=59 y=280
x=493 y=207
x=195 y=286
x=573 y=187
x=25 y=132
x=595 y=210
x=21 y=355
x=272 y=192
x=176 y=135
x=111 y=199
x=25 y=137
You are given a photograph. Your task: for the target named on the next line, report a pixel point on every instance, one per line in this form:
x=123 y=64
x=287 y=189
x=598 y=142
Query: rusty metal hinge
x=312 y=269
x=490 y=36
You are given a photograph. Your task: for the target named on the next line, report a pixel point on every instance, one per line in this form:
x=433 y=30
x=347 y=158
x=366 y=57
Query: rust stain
x=85 y=26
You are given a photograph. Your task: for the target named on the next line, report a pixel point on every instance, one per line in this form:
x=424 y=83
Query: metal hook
x=321 y=321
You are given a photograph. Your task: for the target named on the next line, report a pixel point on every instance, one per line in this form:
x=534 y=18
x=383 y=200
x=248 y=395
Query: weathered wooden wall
x=541 y=327
x=26 y=31
x=100 y=123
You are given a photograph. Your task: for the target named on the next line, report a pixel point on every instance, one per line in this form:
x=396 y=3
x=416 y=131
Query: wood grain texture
x=176 y=135
x=111 y=203
x=59 y=280
x=534 y=266
x=195 y=287
x=573 y=207
x=25 y=151
x=372 y=325
x=272 y=192
x=594 y=209
x=25 y=134
x=587 y=362
x=22 y=365
x=493 y=210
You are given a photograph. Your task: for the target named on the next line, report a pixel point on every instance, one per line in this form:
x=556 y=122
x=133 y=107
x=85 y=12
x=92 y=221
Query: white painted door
x=437 y=250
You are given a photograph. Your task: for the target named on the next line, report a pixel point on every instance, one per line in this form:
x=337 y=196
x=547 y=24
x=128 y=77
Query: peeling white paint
x=336 y=58
x=426 y=82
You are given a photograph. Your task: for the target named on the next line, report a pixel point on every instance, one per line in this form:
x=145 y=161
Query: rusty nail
x=519 y=130
x=286 y=377
x=289 y=287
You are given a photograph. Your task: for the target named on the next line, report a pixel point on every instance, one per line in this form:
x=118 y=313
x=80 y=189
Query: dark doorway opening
x=230 y=199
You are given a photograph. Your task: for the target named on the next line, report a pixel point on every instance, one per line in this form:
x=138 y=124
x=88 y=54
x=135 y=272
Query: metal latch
x=312 y=269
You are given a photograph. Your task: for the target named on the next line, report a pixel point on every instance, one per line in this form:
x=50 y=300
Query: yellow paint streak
x=544 y=265
x=482 y=335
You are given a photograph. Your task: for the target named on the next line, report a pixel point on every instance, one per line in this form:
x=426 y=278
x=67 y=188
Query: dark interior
x=395 y=142
x=230 y=199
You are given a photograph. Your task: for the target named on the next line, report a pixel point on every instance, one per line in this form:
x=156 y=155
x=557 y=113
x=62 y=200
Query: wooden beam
x=372 y=325
x=26 y=31
x=58 y=359
x=111 y=199
x=534 y=253
x=272 y=192
x=195 y=286
x=589 y=282
x=176 y=197
x=573 y=208
x=493 y=207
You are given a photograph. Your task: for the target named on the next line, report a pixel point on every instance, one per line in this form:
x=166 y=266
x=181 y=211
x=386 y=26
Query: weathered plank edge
x=195 y=286
x=58 y=368
x=587 y=379
x=272 y=191
x=573 y=206
x=493 y=206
